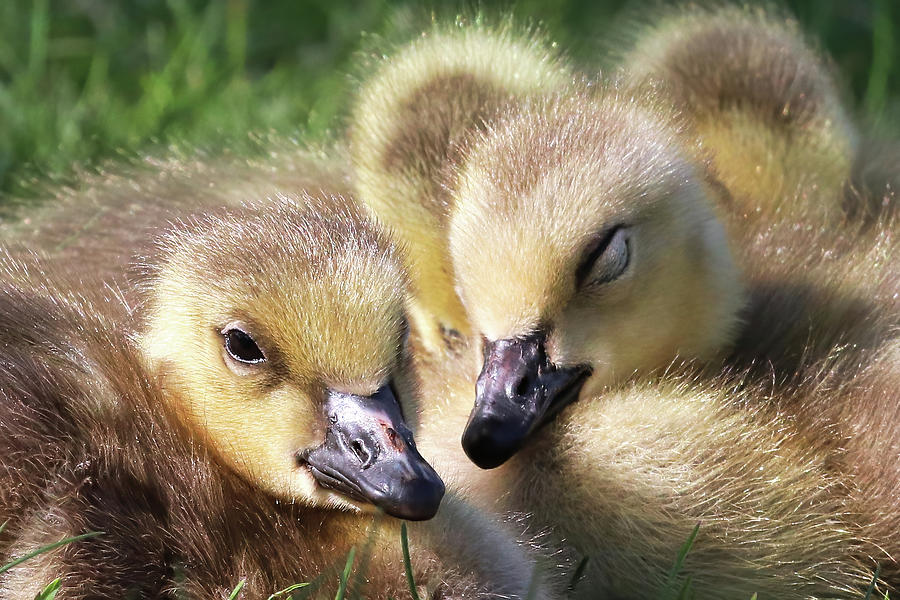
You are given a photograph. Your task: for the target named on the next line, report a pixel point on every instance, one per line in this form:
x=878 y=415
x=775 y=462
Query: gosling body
x=524 y=194
x=142 y=420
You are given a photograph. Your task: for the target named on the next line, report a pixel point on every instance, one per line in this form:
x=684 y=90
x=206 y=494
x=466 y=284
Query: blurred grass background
x=85 y=80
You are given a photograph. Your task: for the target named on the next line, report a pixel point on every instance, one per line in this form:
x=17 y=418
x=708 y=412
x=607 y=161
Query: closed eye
x=606 y=258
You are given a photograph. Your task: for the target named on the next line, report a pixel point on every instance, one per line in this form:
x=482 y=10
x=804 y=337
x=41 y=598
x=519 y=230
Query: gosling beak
x=369 y=456
x=518 y=391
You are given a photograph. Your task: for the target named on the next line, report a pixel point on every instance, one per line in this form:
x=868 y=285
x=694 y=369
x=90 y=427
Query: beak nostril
x=524 y=386
x=359 y=449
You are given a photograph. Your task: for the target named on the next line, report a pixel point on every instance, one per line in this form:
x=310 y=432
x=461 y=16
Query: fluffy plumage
x=406 y=127
x=781 y=457
x=102 y=221
x=764 y=103
x=134 y=423
x=777 y=453
x=536 y=192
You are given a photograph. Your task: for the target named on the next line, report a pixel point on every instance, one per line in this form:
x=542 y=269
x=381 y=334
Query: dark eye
x=606 y=258
x=242 y=347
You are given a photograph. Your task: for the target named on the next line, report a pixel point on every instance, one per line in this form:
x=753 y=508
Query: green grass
x=85 y=81
x=50 y=590
x=676 y=588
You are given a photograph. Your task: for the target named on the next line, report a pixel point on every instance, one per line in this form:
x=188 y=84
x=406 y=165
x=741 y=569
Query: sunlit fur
x=760 y=97
x=102 y=220
x=124 y=418
x=781 y=455
x=540 y=185
x=407 y=123
x=325 y=307
x=785 y=165
x=89 y=446
x=788 y=462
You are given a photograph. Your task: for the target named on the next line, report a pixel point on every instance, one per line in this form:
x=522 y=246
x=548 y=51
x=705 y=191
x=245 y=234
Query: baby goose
x=763 y=102
x=789 y=482
x=407 y=125
x=267 y=387
x=540 y=184
x=784 y=162
x=602 y=219
x=265 y=359
x=613 y=260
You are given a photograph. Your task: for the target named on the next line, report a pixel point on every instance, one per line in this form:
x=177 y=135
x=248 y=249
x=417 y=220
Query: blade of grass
x=38 y=40
x=365 y=554
x=407 y=562
x=686 y=593
x=236 y=33
x=49 y=592
x=345 y=576
x=287 y=590
x=237 y=589
x=48 y=548
x=882 y=51
x=874 y=581
x=682 y=554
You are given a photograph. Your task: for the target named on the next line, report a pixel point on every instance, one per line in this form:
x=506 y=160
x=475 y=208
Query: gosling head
x=279 y=333
x=585 y=250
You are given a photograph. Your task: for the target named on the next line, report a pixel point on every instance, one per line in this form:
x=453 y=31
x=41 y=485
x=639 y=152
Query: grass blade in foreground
x=345 y=576
x=49 y=592
x=684 y=590
x=578 y=574
x=365 y=555
x=237 y=589
x=531 y=594
x=287 y=590
x=407 y=563
x=874 y=581
x=48 y=548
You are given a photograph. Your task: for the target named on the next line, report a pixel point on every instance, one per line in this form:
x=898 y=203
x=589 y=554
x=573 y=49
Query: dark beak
x=369 y=456
x=518 y=391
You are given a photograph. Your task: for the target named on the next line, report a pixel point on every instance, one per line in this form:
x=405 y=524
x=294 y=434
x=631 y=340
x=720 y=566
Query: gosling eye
x=241 y=346
x=606 y=258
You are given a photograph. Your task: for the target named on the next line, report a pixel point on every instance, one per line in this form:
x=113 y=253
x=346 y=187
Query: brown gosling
x=586 y=249
x=516 y=272
x=245 y=427
x=408 y=122
x=821 y=303
x=791 y=487
x=763 y=102
x=100 y=223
